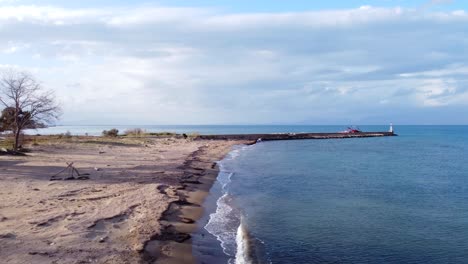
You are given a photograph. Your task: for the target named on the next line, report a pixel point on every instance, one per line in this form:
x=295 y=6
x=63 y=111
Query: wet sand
x=140 y=204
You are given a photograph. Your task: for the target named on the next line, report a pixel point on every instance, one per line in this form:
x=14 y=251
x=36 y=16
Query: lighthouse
x=391 y=128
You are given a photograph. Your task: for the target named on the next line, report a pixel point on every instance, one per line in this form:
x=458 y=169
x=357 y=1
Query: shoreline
x=181 y=219
x=140 y=202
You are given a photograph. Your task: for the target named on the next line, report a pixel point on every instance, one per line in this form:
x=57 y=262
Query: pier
x=296 y=136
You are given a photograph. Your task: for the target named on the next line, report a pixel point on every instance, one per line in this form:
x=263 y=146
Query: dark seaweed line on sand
x=189 y=182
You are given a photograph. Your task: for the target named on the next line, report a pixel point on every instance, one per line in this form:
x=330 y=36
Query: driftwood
x=70 y=173
x=11 y=152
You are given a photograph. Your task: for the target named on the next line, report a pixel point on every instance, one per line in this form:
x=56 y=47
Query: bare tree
x=27 y=104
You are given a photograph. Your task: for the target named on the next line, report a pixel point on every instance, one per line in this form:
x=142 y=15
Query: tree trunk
x=17 y=137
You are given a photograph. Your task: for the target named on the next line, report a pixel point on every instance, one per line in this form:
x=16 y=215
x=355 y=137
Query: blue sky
x=261 y=5
x=302 y=5
x=235 y=62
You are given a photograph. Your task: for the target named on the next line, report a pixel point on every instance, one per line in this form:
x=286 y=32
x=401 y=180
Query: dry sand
x=139 y=205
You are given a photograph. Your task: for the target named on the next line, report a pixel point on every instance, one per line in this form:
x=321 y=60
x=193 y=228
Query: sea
x=400 y=199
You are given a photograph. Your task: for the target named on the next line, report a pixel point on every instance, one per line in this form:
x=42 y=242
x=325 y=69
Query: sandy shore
x=139 y=205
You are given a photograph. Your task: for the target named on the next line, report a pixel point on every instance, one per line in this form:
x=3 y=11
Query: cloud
x=8 y=1
x=156 y=64
x=438 y=2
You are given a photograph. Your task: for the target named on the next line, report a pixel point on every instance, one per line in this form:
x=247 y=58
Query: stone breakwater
x=295 y=136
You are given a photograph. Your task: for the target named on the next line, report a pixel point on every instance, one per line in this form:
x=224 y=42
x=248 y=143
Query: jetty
x=295 y=136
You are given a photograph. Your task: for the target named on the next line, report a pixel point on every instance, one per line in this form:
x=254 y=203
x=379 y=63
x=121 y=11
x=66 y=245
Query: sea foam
x=224 y=222
x=243 y=245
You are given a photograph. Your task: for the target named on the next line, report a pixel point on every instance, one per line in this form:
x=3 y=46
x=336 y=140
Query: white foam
x=221 y=225
x=224 y=222
x=242 y=242
x=224 y=178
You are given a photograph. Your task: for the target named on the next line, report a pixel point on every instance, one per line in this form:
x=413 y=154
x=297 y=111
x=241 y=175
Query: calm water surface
x=374 y=200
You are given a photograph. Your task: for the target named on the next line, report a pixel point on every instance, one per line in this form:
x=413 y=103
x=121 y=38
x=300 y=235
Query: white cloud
x=49 y=14
x=437 y=92
x=190 y=65
x=438 y=2
x=8 y=1
x=11 y=47
x=449 y=70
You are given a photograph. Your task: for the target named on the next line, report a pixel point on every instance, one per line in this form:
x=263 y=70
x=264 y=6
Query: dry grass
x=138 y=132
x=64 y=139
x=163 y=134
x=135 y=132
x=6 y=143
x=132 y=137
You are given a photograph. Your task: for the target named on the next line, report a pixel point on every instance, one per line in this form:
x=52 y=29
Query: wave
x=226 y=223
x=221 y=224
x=245 y=250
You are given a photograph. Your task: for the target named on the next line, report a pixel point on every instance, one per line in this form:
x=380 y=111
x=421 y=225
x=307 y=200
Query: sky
x=244 y=62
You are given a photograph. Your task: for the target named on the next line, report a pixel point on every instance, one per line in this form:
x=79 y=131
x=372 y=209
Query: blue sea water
x=366 y=200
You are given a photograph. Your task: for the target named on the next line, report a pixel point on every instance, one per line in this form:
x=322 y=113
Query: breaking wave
x=226 y=224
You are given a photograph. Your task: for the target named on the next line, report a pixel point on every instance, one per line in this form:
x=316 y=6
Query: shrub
x=111 y=133
x=192 y=136
x=134 y=132
x=162 y=134
x=66 y=135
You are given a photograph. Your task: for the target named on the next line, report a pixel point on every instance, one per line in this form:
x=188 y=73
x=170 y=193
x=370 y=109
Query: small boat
x=351 y=130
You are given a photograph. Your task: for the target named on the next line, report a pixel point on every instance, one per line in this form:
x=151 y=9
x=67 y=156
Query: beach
x=139 y=205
